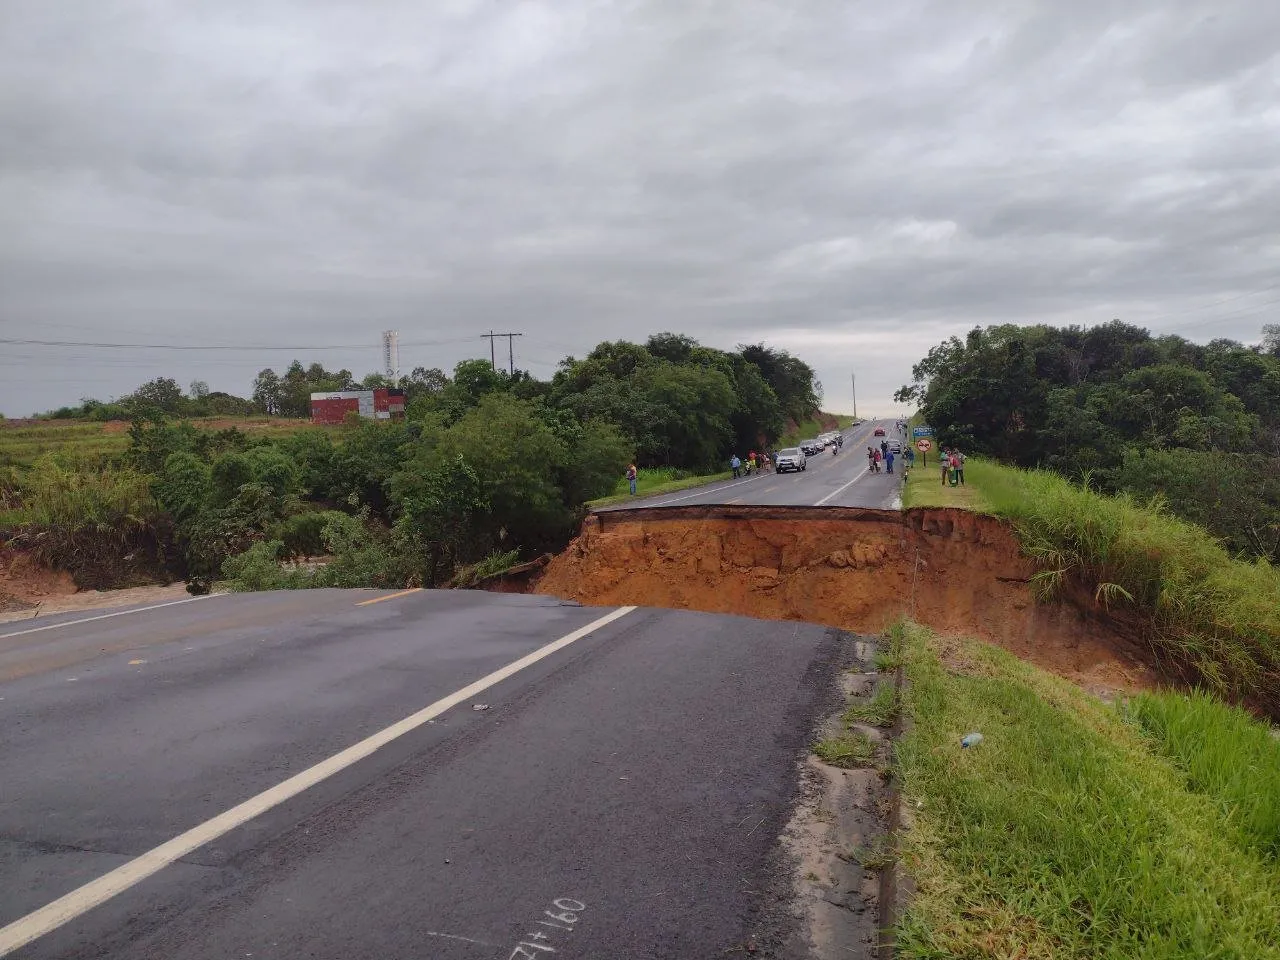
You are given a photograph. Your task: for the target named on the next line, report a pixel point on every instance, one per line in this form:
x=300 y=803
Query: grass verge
x=924 y=488
x=1064 y=834
x=651 y=482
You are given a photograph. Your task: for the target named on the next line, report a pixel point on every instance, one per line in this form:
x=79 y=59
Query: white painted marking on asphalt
x=108 y=616
x=454 y=936
x=66 y=908
x=700 y=493
x=837 y=493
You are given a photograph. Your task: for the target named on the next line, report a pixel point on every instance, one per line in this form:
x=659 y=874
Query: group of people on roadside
x=952 y=462
x=755 y=463
x=885 y=457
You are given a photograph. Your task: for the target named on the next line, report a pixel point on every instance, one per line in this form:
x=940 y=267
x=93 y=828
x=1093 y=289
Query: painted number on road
x=562 y=918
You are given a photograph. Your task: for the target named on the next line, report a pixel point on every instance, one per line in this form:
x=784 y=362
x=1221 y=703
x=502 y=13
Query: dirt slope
x=857 y=569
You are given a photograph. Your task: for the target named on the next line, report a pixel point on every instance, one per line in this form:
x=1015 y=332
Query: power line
x=104 y=345
x=1216 y=303
x=1243 y=313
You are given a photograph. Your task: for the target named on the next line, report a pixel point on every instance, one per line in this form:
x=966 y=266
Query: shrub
x=258 y=568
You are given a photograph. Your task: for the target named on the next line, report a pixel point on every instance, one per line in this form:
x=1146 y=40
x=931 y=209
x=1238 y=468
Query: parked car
x=813 y=447
x=895 y=447
x=792 y=458
x=879 y=431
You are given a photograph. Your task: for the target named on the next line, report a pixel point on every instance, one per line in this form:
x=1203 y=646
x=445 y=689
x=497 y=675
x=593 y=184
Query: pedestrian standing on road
x=911 y=457
x=884 y=448
x=735 y=465
x=879 y=460
x=631 y=478
x=871 y=460
x=888 y=462
x=752 y=463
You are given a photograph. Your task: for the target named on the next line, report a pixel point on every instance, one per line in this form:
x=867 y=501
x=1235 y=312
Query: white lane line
x=699 y=493
x=837 y=493
x=96 y=892
x=108 y=616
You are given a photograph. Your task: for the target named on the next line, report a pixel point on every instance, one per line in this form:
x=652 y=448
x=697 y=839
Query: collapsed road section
x=853 y=568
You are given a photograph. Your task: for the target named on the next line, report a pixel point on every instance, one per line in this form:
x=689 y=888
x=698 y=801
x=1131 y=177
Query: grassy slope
x=811 y=428
x=1067 y=833
x=1210 y=614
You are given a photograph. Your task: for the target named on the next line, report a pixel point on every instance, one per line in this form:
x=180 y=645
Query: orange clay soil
x=857 y=569
x=28 y=590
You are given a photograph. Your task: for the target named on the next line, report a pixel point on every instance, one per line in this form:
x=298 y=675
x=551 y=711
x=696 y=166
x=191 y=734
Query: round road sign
x=923 y=445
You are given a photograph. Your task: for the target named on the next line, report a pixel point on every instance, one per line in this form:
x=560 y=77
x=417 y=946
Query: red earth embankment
x=857 y=569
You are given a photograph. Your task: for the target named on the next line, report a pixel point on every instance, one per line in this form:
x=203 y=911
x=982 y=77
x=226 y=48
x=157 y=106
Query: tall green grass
x=101 y=524
x=74 y=497
x=1210 y=617
x=1225 y=754
x=1063 y=834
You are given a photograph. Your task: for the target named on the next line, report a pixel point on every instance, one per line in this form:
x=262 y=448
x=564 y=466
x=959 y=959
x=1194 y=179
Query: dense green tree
x=162 y=393
x=1126 y=409
x=790 y=378
x=1236 y=496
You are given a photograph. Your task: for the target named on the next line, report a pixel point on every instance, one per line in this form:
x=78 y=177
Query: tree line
x=486 y=467
x=1194 y=426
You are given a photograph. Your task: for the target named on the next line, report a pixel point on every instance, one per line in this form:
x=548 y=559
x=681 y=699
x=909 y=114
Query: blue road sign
x=922 y=431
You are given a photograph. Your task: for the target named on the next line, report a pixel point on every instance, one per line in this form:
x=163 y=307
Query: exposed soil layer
x=857 y=569
x=28 y=590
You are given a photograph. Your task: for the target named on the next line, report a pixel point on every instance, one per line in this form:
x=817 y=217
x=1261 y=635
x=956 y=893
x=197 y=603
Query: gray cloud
x=850 y=181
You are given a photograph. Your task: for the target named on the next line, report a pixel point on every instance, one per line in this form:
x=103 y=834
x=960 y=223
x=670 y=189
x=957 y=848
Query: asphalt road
x=842 y=480
x=195 y=781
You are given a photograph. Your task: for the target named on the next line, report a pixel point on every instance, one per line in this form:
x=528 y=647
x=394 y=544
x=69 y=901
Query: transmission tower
x=391 y=355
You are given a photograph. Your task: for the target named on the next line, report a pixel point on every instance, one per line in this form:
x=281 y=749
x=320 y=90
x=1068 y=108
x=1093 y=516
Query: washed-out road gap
x=620 y=793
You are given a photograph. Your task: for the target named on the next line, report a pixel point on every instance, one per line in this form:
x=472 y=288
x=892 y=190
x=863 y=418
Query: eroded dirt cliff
x=856 y=569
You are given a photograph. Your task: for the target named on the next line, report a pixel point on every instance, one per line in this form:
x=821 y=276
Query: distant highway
x=839 y=481
x=352 y=774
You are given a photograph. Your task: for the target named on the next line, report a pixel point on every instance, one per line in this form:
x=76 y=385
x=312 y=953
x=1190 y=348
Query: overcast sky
x=852 y=181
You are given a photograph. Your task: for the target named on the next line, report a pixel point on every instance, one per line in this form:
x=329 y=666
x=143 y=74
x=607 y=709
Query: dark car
x=813 y=447
x=879 y=431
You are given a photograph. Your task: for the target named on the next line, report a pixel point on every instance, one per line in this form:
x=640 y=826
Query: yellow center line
x=389 y=596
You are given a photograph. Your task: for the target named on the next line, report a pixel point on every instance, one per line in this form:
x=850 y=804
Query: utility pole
x=853 y=381
x=511 y=350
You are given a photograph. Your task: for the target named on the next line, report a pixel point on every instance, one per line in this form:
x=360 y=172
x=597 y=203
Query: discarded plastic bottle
x=971 y=740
